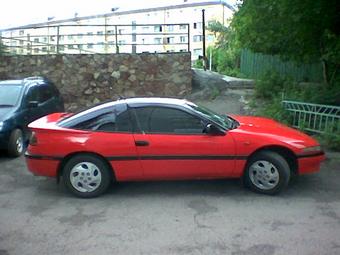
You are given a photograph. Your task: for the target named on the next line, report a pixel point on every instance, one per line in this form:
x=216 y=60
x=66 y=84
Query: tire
x=267 y=173
x=16 y=143
x=86 y=176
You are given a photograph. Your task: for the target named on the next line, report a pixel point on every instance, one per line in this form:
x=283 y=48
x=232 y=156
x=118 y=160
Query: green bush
x=198 y=64
x=273 y=109
x=268 y=96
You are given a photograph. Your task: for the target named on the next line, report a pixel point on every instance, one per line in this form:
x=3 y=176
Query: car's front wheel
x=16 y=143
x=86 y=176
x=267 y=172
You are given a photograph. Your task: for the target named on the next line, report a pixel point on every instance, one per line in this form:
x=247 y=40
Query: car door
x=172 y=145
x=111 y=137
x=31 y=103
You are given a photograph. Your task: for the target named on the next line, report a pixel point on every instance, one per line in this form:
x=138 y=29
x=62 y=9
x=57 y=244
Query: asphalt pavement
x=37 y=216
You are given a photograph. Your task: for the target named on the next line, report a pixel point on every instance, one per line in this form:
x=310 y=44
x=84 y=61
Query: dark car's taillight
x=33 y=139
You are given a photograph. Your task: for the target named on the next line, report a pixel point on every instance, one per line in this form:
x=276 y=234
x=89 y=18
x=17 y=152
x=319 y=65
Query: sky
x=22 y=12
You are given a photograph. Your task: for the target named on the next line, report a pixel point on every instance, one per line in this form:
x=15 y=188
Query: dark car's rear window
x=10 y=94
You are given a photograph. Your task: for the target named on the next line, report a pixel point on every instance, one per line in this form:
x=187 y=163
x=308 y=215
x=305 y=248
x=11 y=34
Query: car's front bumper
x=310 y=163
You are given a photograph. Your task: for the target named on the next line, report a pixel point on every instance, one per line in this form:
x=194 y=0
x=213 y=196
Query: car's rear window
x=10 y=94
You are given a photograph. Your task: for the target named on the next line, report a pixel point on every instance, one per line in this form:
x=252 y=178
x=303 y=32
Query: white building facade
x=176 y=28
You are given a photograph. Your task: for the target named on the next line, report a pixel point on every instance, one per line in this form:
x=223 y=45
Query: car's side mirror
x=33 y=104
x=211 y=129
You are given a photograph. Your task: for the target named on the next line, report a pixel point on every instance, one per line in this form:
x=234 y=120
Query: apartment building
x=174 y=28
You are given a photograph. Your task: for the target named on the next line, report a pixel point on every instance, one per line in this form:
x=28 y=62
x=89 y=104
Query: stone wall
x=84 y=80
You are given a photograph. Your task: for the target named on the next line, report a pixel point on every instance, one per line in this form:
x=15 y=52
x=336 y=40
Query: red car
x=140 y=139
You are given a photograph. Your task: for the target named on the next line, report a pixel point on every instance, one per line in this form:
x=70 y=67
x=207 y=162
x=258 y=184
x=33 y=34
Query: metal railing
x=102 y=38
x=315 y=118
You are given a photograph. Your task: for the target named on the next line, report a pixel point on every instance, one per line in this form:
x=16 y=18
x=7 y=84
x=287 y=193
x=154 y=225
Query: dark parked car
x=21 y=102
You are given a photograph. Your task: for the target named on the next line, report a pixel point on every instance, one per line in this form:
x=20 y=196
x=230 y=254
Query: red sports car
x=141 y=139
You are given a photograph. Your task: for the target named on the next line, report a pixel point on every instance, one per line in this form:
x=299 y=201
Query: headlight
x=312 y=149
x=1 y=125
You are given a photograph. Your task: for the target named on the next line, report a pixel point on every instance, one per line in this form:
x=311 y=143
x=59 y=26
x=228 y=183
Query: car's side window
x=115 y=120
x=33 y=95
x=168 y=120
x=45 y=92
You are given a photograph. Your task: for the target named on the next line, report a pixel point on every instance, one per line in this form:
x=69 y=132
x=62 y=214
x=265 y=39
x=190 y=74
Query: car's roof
x=140 y=102
x=24 y=82
x=11 y=82
x=154 y=100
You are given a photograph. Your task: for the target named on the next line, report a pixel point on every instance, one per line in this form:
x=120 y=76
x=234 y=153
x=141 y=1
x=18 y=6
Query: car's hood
x=5 y=112
x=274 y=129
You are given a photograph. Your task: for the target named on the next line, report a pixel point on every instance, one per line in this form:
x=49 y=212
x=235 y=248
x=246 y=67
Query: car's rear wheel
x=16 y=143
x=267 y=172
x=86 y=176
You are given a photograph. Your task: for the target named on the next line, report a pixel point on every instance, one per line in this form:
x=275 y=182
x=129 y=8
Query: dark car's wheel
x=16 y=143
x=267 y=172
x=86 y=176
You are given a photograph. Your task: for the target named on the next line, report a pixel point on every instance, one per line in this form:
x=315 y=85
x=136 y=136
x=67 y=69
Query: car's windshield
x=9 y=94
x=224 y=120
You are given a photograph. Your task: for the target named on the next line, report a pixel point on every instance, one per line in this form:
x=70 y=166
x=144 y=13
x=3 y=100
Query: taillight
x=33 y=139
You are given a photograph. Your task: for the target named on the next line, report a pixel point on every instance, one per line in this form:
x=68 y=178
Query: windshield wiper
x=6 y=105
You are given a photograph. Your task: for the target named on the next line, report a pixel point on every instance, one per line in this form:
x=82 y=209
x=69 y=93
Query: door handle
x=142 y=143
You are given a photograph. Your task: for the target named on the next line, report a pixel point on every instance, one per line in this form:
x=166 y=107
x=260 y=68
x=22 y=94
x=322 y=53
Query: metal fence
x=315 y=118
x=254 y=65
x=103 y=38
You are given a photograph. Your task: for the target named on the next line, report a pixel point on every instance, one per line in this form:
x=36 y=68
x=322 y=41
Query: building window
x=52 y=38
x=168 y=40
x=120 y=31
x=197 y=25
x=157 y=40
x=45 y=39
x=210 y=38
x=198 y=52
x=36 y=40
x=61 y=47
x=36 y=50
x=21 y=32
x=52 y=48
x=110 y=32
x=61 y=38
x=21 y=51
x=70 y=46
x=121 y=42
x=90 y=45
x=21 y=42
x=183 y=39
x=100 y=33
x=182 y=50
x=158 y=28
x=170 y=28
x=182 y=27
x=70 y=37
x=79 y=36
x=133 y=25
x=89 y=33
x=197 y=38
x=80 y=46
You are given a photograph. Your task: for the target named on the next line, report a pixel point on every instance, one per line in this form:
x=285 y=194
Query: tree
x=304 y=30
x=226 y=53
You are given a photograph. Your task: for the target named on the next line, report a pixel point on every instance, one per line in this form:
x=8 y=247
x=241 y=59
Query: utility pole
x=203 y=39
